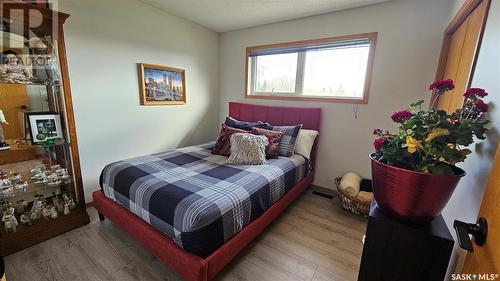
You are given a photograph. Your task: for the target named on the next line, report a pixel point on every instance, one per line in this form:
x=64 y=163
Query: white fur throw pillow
x=248 y=149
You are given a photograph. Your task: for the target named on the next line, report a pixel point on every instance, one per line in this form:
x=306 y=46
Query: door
x=486 y=259
x=460 y=47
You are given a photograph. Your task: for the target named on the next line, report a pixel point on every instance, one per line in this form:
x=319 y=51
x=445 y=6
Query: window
x=330 y=69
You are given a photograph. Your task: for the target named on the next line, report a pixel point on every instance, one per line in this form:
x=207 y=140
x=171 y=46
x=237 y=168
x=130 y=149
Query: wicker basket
x=352 y=204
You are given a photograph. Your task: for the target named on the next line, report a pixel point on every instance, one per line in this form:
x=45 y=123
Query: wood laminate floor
x=314 y=239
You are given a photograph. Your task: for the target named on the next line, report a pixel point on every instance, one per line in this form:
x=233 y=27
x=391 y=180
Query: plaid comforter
x=196 y=198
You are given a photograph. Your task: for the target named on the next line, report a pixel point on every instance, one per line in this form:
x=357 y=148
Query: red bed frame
x=187 y=265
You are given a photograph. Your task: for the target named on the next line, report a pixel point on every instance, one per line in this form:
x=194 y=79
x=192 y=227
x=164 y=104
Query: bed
x=193 y=241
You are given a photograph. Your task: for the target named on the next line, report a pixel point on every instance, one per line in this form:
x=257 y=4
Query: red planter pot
x=411 y=195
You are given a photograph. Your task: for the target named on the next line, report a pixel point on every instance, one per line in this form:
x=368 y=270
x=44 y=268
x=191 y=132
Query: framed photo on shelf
x=44 y=126
x=162 y=85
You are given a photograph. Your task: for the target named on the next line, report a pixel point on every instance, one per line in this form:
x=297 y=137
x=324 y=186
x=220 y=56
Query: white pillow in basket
x=305 y=142
x=248 y=149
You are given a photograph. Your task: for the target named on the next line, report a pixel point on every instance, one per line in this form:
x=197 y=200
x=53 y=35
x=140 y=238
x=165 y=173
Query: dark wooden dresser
x=396 y=250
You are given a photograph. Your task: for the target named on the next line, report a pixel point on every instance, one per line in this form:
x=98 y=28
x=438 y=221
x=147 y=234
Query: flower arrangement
x=433 y=141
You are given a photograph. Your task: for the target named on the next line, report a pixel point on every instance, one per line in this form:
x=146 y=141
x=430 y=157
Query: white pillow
x=305 y=142
x=248 y=149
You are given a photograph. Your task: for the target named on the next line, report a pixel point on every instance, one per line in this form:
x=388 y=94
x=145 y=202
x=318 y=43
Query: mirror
x=15 y=101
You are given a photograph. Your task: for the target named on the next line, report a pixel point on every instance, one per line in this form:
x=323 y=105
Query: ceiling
x=227 y=15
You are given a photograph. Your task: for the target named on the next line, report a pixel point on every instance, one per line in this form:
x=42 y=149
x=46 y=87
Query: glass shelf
x=14 y=147
x=46 y=173
x=33 y=189
x=34 y=84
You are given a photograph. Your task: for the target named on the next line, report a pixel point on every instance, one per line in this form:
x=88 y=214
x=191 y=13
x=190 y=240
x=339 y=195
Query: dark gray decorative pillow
x=288 y=139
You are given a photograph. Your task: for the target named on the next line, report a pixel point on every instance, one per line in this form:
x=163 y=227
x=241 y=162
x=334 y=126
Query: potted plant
x=413 y=170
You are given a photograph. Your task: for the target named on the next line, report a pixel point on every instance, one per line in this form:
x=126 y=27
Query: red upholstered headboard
x=309 y=117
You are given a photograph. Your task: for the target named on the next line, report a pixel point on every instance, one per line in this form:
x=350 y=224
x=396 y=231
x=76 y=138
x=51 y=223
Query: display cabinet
x=41 y=193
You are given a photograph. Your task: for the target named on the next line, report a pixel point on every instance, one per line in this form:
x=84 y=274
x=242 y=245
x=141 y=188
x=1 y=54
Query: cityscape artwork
x=162 y=85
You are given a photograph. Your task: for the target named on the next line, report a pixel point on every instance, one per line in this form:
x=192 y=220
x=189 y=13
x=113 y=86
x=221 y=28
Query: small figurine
x=35 y=171
x=15 y=177
x=25 y=219
x=65 y=197
x=46 y=213
x=33 y=216
x=66 y=208
x=20 y=206
x=72 y=204
x=53 y=213
x=9 y=220
x=37 y=208
x=55 y=200
x=54 y=168
x=10 y=209
x=22 y=185
x=62 y=174
x=3 y=145
x=5 y=188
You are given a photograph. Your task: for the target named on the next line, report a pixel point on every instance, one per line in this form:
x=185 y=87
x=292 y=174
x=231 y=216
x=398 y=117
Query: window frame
x=372 y=36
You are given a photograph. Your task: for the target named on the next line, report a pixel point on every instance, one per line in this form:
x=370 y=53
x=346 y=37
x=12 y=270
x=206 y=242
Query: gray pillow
x=248 y=149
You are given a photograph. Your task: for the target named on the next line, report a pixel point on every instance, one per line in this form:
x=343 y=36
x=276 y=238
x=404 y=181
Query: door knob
x=478 y=230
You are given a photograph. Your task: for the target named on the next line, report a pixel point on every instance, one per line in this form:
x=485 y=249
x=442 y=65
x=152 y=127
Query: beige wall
x=105 y=40
x=409 y=41
x=465 y=202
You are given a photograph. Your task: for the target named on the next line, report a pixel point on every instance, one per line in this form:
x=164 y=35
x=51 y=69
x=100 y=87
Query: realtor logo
x=475 y=276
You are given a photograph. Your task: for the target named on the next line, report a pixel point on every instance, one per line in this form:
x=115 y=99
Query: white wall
x=104 y=41
x=465 y=202
x=409 y=41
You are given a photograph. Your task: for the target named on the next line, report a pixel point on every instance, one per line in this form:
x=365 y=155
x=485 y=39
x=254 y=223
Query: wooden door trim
x=467 y=8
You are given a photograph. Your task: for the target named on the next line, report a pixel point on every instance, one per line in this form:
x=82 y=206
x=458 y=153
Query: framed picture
x=44 y=126
x=162 y=85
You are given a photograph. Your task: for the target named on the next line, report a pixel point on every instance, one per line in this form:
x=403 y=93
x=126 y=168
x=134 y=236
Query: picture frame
x=44 y=123
x=162 y=85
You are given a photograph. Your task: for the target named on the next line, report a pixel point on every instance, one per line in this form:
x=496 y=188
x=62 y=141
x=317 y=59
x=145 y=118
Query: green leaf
x=441 y=169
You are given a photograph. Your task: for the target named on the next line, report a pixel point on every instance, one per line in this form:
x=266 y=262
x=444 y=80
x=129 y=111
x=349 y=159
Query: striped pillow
x=288 y=139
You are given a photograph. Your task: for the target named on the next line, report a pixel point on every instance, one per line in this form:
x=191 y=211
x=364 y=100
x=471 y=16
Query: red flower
x=377 y=131
x=475 y=92
x=480 y=106
x=455 y=118
x=401 y=116
x=378 y=143
x=441 y=86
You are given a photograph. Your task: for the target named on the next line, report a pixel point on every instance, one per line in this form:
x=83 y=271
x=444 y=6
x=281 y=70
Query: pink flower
x=441 y=86
x=377 y=131
x=455 y=119
x=475 y=92
x=480 y=106
x=378 y=143
x=401 y=116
